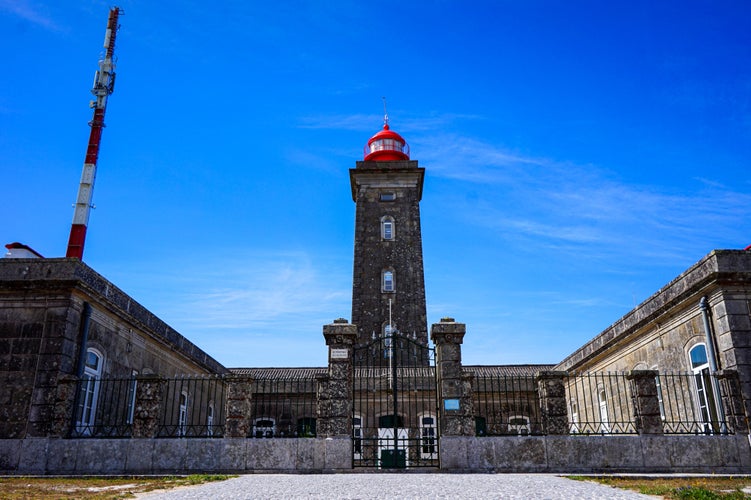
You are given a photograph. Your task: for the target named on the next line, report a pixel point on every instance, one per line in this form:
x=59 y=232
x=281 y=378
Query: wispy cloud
x=356 y=122
x=366 y=122
x=258 y=293
x=34 y=14
x=581 y=208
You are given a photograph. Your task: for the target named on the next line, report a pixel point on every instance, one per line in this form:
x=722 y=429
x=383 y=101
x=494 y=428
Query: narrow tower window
x=387 y=228
x=388 y=281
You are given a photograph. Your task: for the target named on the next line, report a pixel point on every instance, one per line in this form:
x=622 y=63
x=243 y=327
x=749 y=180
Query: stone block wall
x=402 y=254
x=543 y=454
x=41 y=339
x=660 y=332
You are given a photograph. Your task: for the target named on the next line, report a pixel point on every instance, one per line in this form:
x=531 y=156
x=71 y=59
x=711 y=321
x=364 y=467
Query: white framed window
x=660 y=401
x=428 y=443
x=387 y=284
x=574 y=428
x=132 y=396
x=210 y=419
x=388 y=196
x=89 y=394
x=705 y=398
x=602 y=399
x=519 y=424
x=387 y=228
x=182 y=418
x=357 y=436
x=264 y=427
x=388 y=340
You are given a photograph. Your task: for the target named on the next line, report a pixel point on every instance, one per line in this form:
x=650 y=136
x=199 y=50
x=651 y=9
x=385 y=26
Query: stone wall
x=660 y=332
x=173 y=456
x=606 y=454
x=551 y=454
x=661 y=327
x=403 y=253
x=42 y=333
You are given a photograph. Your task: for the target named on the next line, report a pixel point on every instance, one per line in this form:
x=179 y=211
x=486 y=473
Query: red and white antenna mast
x=104 y=85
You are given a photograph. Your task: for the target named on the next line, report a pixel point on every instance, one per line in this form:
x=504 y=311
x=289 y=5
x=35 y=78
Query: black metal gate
x=395 y=411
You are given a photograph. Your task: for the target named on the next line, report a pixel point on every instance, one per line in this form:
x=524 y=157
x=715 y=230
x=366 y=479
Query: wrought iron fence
x=689 y=404
x=600 y=403
x=283 y=408
x=104 y=408
x=192 y=407
x=507 y=405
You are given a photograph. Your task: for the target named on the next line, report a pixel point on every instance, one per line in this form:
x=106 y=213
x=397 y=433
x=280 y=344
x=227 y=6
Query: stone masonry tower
x=388 y=282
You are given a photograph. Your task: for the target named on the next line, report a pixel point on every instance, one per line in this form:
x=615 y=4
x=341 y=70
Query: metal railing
x=283 y=408
x=600 y=403
x=689 y=404
x=192 y=407
x=104 y=408
x=507 y=405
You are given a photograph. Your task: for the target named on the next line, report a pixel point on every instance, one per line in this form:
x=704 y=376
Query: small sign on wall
x=450 y=404
x=339 y=353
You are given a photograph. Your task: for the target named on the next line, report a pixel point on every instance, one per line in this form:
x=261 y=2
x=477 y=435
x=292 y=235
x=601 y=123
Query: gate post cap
x=448 y=331
x=340 y=332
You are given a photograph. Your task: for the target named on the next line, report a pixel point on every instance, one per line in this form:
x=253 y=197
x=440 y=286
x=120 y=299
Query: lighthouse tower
x=388 y=288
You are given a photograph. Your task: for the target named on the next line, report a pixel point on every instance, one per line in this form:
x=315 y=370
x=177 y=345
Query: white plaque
x=339 y=353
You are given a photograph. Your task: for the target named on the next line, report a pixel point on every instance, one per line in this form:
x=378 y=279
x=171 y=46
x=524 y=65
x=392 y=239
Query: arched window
x=660 y=400
x=428 y=444
x=602 y=399
x=357 y=436
x=210 y=419
x=574 y=427
x=264 y=427
x=705 y=398
x=389 y=330
x=132 y=386
x=519 y=424
x=182 y=419
x=387 y=282
x=388 y=228
x=89 y=394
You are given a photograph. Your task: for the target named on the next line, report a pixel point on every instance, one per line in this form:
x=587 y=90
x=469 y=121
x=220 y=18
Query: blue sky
x=579 y=155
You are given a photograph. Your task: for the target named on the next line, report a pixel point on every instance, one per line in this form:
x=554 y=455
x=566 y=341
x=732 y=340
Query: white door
x=386 y=442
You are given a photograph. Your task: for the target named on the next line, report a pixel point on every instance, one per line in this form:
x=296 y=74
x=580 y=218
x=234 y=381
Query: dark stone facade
x=43 y=334
x=393 y=190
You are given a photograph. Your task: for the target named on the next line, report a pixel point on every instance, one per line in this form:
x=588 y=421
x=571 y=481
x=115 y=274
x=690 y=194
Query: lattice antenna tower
x=104 y=85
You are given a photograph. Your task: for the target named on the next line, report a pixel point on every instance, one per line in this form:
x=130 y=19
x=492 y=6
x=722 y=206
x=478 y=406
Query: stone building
x=59 y=318
x=80 y=359
x=388 y=286
x=699 y=324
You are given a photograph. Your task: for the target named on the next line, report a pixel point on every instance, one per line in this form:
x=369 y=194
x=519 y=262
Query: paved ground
x=370 y=486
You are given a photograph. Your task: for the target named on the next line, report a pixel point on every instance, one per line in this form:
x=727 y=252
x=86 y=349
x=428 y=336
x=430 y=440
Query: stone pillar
x=454 y=386
x=646 y=406
x=148 y=406
x=237 y=407
x=64 y=416
x=732 y=400
x=552 y=392
x=335 y=388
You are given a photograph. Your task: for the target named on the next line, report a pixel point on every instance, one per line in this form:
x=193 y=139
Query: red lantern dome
x=386 y=145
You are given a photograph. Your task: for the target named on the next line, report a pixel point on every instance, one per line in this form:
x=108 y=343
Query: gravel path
x=368 y=486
